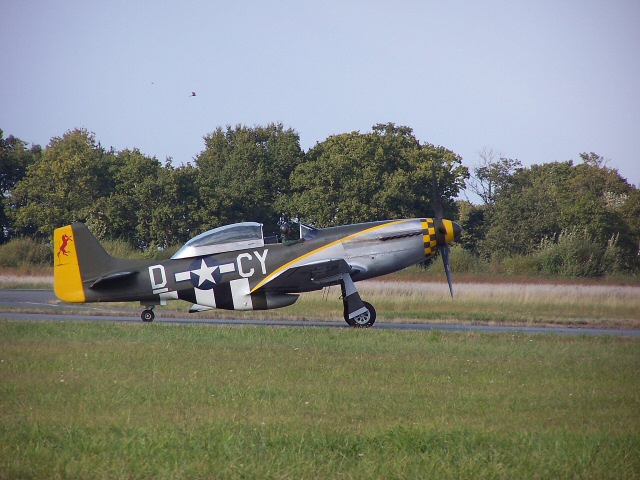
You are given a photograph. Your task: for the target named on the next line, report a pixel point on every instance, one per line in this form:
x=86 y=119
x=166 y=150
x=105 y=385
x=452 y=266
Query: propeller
x=444 y=235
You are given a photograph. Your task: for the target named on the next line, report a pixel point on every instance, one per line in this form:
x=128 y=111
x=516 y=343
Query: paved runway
x=42 y=305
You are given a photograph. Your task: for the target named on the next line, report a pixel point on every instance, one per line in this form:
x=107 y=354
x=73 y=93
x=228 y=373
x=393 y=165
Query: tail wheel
x=147 y=315
x=365 y=319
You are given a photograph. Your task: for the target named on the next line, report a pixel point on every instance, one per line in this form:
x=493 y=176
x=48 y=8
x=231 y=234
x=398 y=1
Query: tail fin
x=78 y=257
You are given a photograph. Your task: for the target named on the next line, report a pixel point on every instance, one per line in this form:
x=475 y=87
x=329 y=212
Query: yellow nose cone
x=454 y=231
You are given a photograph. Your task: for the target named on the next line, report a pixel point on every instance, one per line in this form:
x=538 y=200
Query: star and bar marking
x=205 y=273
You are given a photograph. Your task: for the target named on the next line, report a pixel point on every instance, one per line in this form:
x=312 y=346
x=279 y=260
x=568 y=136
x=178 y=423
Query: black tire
x=364 y=320
x=345 y=315
x=147 y=316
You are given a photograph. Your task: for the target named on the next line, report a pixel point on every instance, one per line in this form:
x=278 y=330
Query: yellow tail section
x=67 y=282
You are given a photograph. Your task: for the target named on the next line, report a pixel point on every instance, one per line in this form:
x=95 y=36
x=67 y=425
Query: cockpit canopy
x=237 y=236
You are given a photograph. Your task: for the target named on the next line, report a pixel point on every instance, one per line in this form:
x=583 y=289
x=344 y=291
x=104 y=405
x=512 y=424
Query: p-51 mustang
x=235 y=268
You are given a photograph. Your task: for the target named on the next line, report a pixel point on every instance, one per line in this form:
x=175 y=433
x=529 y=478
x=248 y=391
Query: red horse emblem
x=63 y=248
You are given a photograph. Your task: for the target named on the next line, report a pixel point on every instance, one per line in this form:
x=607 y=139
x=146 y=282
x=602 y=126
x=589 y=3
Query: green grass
x=104 y=400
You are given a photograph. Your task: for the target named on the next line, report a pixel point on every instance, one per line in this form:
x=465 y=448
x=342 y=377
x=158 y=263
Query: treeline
x=243 y=174
x=560 y=218
x=258 y=173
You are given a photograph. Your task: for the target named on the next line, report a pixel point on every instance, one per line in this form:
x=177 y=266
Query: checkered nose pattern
x=429 y=236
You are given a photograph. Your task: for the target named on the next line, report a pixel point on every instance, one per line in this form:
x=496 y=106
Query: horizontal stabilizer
x=105 y=279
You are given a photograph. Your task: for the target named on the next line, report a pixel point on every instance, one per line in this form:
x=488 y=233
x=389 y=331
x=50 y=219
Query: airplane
x=235 y=267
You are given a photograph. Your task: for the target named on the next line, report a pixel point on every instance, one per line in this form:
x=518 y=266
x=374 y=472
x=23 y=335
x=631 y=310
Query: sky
x=538 y=81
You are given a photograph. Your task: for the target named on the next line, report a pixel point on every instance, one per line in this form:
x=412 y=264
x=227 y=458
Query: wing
x=307 y=277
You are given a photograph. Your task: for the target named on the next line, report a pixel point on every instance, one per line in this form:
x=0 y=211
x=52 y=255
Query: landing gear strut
x=148 y=315
x=357 y=313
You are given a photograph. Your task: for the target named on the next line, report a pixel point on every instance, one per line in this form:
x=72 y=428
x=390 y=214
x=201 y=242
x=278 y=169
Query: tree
x=244 y=174
x=126 y=212
x=525 y=213
x=175 y=214
x=594 y=160
x=546 y=200
x=492 y=174
x=629 y=211
x=472 y=220
x=605 y=204
x=150 y=205
x=383 y=174
x=70 y=176
x=14 y=160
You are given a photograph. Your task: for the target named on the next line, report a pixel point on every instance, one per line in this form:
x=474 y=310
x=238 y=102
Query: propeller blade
x=441 y=229
x=445 y=259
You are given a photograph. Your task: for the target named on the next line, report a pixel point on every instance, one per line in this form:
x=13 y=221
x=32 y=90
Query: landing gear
x=148 y=315
x=357 y=313
x=364 y=319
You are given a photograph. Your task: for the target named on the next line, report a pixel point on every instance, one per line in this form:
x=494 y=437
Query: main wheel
x=365 y=319
x=147 y=316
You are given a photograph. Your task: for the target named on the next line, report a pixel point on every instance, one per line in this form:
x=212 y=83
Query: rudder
x=67 y=282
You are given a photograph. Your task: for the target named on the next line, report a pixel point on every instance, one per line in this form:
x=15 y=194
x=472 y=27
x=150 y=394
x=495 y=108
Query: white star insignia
x=205 y=273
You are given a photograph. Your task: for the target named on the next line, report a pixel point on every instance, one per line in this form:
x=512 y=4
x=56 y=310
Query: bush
x=121 y=249
x=464 y=261
x=25 y=253
x=461 y=261
x=521 y=265
x=154 y=254
x=612 y=259
x=577 y=254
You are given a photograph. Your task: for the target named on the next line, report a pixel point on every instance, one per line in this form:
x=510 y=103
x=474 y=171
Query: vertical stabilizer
x=77 y=258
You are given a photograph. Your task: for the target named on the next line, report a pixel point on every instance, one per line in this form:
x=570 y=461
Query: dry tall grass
x=540 y=304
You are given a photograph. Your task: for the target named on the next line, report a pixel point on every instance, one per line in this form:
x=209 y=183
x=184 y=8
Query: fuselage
x=256 y=277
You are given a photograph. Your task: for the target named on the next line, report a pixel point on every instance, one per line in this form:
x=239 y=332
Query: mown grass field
x=104 y=400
